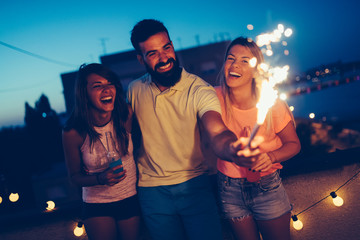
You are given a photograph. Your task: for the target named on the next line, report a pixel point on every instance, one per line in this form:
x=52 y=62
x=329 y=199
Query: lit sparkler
x=270 y=77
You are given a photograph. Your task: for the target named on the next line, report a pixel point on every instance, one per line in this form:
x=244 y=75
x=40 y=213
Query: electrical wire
x=352 y=178
x=313 y=205
x=37 y=55
x=24 y=87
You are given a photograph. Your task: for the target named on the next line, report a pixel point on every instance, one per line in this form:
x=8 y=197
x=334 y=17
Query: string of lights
x=297 y=224
x=338 y=201
x=37 y=55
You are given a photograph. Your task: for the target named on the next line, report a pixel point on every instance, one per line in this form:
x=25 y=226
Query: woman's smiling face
x=101 y=93
x=237 y=69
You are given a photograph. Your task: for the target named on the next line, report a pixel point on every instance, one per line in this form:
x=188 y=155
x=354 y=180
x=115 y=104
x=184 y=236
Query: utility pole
x=103 y=44
x=197 y=39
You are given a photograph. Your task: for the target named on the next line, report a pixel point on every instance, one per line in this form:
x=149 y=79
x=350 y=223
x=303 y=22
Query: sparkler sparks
x=270 y=76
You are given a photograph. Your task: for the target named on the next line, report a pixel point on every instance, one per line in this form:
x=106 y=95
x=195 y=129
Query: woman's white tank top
x=95 y=161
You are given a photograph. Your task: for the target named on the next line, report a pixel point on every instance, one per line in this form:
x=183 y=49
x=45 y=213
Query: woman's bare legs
x=129 y=228
x=101 y=228
x=278 y=228
x=245 y=229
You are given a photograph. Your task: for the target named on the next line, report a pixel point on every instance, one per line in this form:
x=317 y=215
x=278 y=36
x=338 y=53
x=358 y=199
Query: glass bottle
x=112 y=155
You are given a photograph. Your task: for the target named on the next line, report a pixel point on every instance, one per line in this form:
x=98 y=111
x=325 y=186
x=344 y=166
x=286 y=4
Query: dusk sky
x=68 y=33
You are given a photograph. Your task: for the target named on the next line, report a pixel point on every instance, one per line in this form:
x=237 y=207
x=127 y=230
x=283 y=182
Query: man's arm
x=225 y=143
x=220 y=136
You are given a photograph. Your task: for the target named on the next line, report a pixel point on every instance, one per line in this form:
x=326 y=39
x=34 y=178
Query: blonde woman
x=260 y=206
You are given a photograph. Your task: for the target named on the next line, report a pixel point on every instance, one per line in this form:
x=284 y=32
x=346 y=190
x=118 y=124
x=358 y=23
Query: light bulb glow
x=338 y=201
x=0 y=200
x=79 y=230
x=50 y=205
x=311 y=115
x=297 y=224
x=14 y=197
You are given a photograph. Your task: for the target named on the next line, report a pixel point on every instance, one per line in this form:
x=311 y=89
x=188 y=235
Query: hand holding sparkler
x=244 y=156
x=270 y=77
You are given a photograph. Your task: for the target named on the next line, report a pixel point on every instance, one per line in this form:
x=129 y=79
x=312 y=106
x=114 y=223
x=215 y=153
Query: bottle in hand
x=113 y=155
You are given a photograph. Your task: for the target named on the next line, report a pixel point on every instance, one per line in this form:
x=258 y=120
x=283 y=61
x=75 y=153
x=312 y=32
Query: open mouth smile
x=107 y=99
x=165 y=67
x=234 y=74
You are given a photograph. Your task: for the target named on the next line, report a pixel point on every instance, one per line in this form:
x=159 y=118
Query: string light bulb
x=14 y=197
x=0 y=199
x=79 y=230
x=50 y=205
x=297 y=224
x=338 y=201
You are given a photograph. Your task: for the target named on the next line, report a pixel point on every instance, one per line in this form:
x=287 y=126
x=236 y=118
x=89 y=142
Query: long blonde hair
x=256 y=81
x=256 y=52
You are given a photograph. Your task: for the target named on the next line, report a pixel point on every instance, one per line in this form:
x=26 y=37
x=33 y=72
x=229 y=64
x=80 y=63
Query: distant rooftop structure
x=204 y=61
x=68 y=82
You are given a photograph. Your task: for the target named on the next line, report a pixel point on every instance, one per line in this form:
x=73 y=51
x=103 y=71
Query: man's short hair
x=145 y=29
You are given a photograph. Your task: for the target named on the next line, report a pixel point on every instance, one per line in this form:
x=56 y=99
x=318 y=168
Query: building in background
x=204 y=61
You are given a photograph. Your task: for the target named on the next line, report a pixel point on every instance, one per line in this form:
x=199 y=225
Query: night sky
x=67 y=33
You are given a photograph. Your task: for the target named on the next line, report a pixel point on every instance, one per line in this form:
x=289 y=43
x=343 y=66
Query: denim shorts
x=120 y=210
x=264 y=200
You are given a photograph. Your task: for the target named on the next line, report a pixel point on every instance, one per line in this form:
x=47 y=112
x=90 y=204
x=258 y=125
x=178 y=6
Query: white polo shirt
x=171 y=151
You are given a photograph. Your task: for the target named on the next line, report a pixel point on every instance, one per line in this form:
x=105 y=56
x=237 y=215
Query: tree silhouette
x=44 y=134
x=28 y=151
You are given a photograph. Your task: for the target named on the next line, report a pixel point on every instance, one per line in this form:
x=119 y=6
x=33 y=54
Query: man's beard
x=165 y=79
